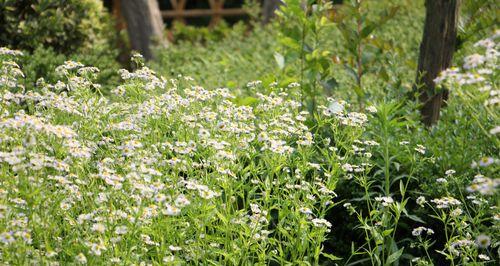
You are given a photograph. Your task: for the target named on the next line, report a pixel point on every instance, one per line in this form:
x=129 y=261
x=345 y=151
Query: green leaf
x=359 y=91
x=350 y=36
x=414 y=217
x=330 y=256
x=387 y=232
x=290 y=43
x=222 y=217
x=394 y=256
x=388 y=15
x=248 y=101
x=383 y=73
x=231 y=84
x=369 y=28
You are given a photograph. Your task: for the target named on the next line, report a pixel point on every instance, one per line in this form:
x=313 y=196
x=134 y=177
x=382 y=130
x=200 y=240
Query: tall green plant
x=301 y=25
x=363 y=49
x=385 y=188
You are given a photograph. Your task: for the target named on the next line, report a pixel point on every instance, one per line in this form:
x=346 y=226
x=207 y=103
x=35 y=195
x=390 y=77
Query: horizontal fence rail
x=202 y=12
x=216 y=11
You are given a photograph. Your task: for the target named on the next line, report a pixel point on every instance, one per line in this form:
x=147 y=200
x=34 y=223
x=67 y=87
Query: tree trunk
x=144 y=25
x=436 y=53
x=268 y=9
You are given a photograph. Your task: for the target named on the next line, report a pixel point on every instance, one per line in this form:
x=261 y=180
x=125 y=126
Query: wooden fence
x=215 y=12
x=179 y=12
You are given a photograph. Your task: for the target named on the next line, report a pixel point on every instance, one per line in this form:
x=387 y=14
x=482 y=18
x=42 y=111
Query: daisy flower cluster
x=161 y=171
x=477 y=78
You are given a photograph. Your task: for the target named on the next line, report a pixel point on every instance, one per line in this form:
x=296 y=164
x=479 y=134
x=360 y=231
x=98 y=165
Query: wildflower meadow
x=302 y=141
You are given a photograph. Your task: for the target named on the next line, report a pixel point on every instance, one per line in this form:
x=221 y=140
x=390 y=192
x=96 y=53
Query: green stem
x=386 y=158
x=359 y=58
x=302 y=45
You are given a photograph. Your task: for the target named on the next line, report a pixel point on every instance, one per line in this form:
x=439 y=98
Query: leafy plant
x=66 y=26
x=50 y=32
x=301 y=27
x=364 y=50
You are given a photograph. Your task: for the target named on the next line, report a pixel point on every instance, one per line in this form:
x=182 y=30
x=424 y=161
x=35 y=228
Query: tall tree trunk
x=436 y=53
x=144 y=25
x=268 y=9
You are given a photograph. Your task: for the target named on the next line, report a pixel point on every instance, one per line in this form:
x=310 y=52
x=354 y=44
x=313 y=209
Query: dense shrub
x=50 y=32
x=42 y=62
x=66 y=26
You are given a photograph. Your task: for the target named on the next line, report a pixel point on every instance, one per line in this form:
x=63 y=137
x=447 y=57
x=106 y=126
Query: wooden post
x=144 y=25
x=178 y=6
x=216 y=6
x=436 y=53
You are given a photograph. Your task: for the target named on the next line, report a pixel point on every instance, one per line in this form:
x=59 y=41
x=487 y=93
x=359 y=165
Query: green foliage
x=453 y=167
x=42 y=62
x=230 y=62
x=66 y=26
x=265 y=171
x=365 y=52
x=477 y=20
x=301 y=26
x=182 y=33
x=345 y=50
x=262 y=53
x=51 y=32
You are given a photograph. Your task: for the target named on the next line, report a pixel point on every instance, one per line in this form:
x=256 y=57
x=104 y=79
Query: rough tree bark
x=268 y=9
x=144 y=25
x=436 y=53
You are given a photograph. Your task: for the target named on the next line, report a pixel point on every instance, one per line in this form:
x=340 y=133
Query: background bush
x=50 y=32
x=66 y=26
